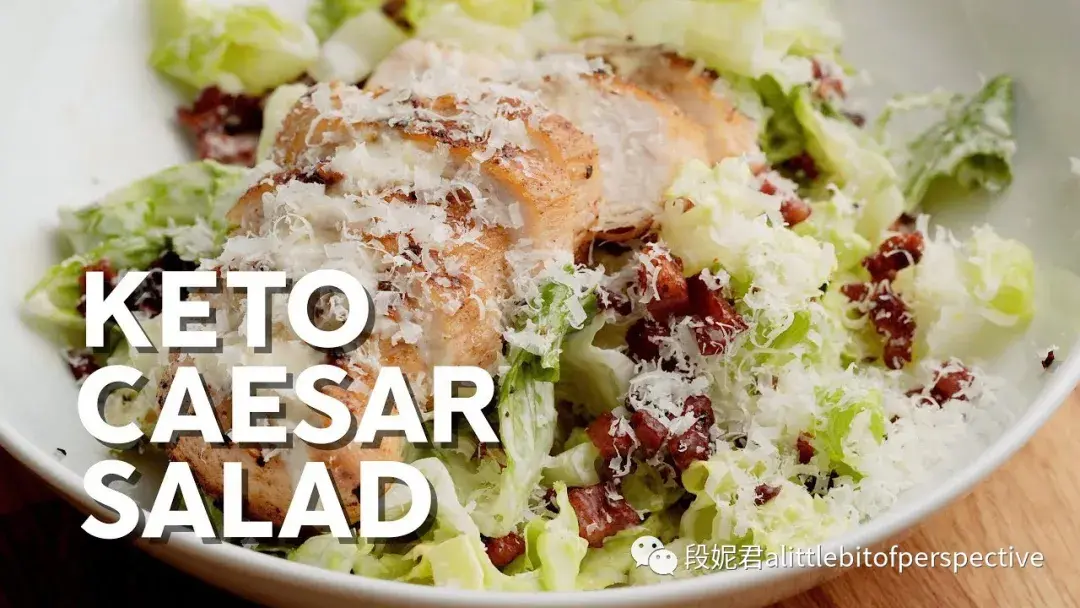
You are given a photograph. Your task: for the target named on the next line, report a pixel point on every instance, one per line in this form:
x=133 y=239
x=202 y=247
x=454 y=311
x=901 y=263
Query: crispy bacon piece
x=827 y=85
x=101 y=266
x=81 y=363
x=147 y=297
x=895 y=254
x=225 y=127
x=894 y=322
x=904 y=224
x=689 y=447
x=794 y=209
x=504 y=549
x=665 y=271
x=764 y=493
x=607 y=299
x=598 y=515
x=856 y=292
x=610 y=446
x=1048 y=360
x=801 y=167
x=717 y=320
x=643 y=339
x=805 y=448
x=650 y=432
x=951 y=385
x=701 y=407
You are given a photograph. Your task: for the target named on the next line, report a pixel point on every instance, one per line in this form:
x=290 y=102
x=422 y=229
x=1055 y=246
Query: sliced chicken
x=643 y=137
x=428 y=201
x=698 y=92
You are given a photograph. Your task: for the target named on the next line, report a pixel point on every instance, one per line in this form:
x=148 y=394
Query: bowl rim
x=889 y=524
x=229 y=557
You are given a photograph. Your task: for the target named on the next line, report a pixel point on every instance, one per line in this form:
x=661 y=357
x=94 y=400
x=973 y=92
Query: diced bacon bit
x=598 y=515
x=693 y=444
x=857 y=119
x=226 y=127
x=81 y=363
x=101 y=266
x=764 y=493
x=951 y=385
x=895 y=323
x=643 y=339
x=701 y=407
x=610 y=446
x=719 y=322
x=803 y=167
x=1048 y=360
x=895 y=254
x=856 y=292
x=904 y=224
x=828 y=85
x=671 y=296
x=147 y=296
x=607 y=299
x=688 y=448
x=805 y=448
x=504 y=549
x=793 y=209
x=650 y=432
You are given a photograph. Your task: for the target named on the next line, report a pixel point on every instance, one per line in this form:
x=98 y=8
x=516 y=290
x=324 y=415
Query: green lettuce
x=576 y=466
x=240 y=48
x=180 y=209
x=852 y=159
x=526 y=409
x=841 y=407
x=506 y=13
x=595 y=377
x=326 y=16
x=972 y=144
x=351 y=54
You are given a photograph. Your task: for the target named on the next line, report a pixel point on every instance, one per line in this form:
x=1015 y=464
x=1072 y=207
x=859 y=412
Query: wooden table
x=1032 y=504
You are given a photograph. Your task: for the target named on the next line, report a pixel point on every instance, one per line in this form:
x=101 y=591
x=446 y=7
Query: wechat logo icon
x=649 y=551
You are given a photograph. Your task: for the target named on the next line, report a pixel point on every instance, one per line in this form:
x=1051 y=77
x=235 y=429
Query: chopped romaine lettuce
x=971 y=297
x=576 y=466
x=973 y=144
x=327 y=552
x=841 y=407
x=506 y=13
x=612 y=564
x=326 y=16
x=734 y=226
x=595 y=377
x=852 y=160
x=527 y=410
x=156 y=206
x=240 y=48
x=782 y=138
x=352 y=52
x=181 y=208
x=834 y=221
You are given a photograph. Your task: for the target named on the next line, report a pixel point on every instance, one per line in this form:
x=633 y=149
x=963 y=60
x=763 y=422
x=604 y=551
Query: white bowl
x=83 y=114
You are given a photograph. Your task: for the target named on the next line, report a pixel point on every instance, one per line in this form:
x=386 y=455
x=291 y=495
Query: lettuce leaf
x=972 y=144
x=527 y=410
x=506 y=13
x=351 y=54
x=326 y=16
x=240 y=48
x=595 y=377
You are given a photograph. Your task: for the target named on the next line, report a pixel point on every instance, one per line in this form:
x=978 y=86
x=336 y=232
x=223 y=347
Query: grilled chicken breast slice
x=643 y=137
x=440 y=196
x=698 y=92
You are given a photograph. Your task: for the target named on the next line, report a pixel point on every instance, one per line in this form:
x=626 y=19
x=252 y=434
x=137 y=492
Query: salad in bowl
x=703 y=278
